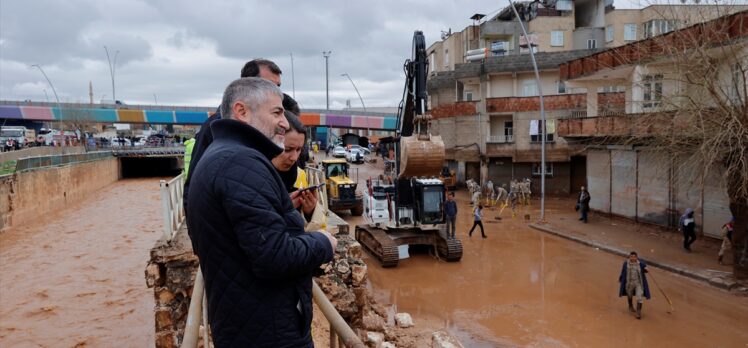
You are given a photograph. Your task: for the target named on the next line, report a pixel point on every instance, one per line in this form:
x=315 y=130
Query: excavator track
x=379 y=244
x=449 y=249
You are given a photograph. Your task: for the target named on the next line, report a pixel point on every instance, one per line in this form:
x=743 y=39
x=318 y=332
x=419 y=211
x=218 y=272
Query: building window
x=557 y=38
x=591 y=44
x=468 y=95
x=560 y=87
x=529 y=88
x=609 y=33
x=537 y=130
x=446 y=57
x=509 y=131
x=548 y=169
x=629 y=32
x=652 y=90
x=432 y=62
x=659 y=26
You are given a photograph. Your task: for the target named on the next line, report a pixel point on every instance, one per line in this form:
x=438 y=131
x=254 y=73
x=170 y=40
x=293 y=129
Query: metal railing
x=173 y=209
x=315 y=176
x=30 y=163
x=500 y=139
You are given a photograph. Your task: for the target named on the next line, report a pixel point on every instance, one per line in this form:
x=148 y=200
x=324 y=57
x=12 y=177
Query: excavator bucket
x=421 y=157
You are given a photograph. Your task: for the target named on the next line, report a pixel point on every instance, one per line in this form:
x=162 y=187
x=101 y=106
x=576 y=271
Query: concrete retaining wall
x=28 y=195
x=40 y=151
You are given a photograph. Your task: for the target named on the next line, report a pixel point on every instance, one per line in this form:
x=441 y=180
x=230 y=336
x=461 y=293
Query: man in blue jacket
x=633 y=281
x=256 y=259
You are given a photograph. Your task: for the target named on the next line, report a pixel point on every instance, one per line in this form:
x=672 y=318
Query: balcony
x=455 y=109
x=621 y=126
x=499 y=139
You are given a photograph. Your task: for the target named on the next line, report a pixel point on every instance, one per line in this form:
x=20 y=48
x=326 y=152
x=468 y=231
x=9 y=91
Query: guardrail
x=173 y=209
x=30 y=163
x=315 y=176
x=500 y=139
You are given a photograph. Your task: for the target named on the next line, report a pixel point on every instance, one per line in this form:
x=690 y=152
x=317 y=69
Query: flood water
x=75 y=278
x=521 y=287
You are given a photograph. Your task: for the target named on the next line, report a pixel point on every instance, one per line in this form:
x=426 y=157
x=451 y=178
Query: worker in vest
x=188 y=145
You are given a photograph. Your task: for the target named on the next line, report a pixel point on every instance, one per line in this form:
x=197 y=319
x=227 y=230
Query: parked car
x=363 y=150
x=355 y=156
x=338 y=151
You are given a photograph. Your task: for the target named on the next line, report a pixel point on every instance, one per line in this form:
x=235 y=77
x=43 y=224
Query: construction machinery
x=406 y=209
x=341 y=188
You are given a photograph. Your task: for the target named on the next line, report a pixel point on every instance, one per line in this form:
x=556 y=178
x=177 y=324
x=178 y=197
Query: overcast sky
x=185 y=52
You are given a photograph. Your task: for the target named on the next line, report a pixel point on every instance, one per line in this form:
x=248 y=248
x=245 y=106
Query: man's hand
x=296 y=198
x=333 y=240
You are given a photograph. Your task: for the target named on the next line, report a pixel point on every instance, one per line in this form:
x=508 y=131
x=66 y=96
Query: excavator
x=407 y=210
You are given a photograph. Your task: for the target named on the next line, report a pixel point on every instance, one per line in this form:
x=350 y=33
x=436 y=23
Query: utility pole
x=59 y=106
x=542 y=131
x=293 y=79
x=112 y=68
x=354 y=87
x=326 y=54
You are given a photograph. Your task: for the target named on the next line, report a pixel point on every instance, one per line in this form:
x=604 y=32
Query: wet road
x=75 y=278
x=521 y=287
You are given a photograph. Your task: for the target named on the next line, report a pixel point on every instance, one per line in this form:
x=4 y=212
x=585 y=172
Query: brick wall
x=552 y=102
x=454 y=109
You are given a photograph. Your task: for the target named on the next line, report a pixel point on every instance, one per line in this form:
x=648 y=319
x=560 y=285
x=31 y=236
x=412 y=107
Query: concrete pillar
x=461 y=172
x=483 y=171
x=591 y=100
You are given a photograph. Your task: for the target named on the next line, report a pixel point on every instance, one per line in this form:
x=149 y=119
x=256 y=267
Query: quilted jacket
x=255 y=256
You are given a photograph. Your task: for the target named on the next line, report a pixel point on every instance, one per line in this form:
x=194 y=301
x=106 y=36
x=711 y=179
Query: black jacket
x=203 y=139
x=255 y=256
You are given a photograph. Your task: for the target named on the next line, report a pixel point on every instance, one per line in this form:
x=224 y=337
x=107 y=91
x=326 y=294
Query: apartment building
x=665 y=91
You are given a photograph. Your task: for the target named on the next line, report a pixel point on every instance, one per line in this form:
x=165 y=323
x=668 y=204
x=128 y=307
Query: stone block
x=355 y=251
x=403 y=320
x=388 y=345
x=374 y=339
x=164 y=296
x=163 y=318
x=358 y=275
x=166 y=339
x=442 y=339
x=153 y=275
x=372 y=322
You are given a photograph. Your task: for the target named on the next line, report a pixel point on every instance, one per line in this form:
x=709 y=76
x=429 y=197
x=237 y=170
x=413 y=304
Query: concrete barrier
x=40 y=151
x=27 y=196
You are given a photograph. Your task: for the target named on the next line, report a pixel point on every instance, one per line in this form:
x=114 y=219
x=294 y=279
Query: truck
x=21 y=136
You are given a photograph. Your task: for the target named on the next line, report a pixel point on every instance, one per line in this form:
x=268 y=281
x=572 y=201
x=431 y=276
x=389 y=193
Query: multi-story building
x=672 y=84
x=485 y=100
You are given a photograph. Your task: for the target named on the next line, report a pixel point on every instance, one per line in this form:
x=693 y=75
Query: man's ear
x=241 y=112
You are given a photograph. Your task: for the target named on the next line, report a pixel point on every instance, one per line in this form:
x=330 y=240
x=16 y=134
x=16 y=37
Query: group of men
x=249 y=222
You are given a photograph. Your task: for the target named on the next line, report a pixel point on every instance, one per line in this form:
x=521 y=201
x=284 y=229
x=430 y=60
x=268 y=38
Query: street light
x=59 y=106
x=354 y=87
x=293 y=79
x=543 y=130
x=112 y=69
x=327 y=54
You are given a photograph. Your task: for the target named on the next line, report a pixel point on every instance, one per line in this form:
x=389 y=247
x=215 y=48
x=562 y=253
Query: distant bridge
x=159 y=114
x=136 y=151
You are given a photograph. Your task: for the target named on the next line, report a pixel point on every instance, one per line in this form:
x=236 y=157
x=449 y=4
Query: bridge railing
x=173 y=209
x=30 y=163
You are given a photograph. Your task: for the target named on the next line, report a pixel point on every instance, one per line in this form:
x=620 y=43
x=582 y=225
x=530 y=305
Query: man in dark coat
x=583 y=204
x=255 y=257
x=254 y=68
x=633 y=281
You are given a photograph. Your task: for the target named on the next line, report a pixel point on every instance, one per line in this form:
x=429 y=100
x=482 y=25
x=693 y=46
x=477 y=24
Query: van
x=19 y=134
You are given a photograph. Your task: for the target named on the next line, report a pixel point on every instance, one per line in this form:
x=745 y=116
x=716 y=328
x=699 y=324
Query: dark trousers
x=451 y=226
x=689 y=236
x=584 y=216
x=477 y=223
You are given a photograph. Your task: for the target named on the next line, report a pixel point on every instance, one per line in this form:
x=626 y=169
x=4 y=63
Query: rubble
x=403 y=320
x=374 y=339
x=442 y=339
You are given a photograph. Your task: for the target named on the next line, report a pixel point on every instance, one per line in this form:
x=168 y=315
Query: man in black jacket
x=255 y=68
x=256 y=259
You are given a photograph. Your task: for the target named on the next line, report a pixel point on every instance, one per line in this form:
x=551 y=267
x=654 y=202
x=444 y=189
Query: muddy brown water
x=521 y=287
x=75 y=278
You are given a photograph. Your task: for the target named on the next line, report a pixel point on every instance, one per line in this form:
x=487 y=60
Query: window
x=591 y=44
x=609 y=33
x=629 y=32
x=738 y=84
x=560 y=87
x=509 y=131
x=432 y=62
x=557 y=38
x=446 y=57
x=529 y=88
x=468 y=95
x=537 y=129
x=548 y=169
x=652 y=90
x=659 y=26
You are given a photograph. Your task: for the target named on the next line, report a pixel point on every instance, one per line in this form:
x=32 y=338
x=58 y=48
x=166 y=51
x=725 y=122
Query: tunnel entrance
x=142 y=167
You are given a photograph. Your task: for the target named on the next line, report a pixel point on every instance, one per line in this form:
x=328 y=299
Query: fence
x=500 y=139
x=173 y=209
x=30 y=163
x=40 y=151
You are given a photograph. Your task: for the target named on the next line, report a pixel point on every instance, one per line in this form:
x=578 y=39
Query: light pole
x=326 y=54
x=354 y=87
x=293 y=79
x=112 y=69
x=59 y=106
x=543 y=129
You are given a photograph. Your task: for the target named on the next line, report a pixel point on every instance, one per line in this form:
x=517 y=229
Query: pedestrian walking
x=727 y=230
x=478 y=215
x=450 y=213
x=256 y=258
x=687 y=225
x=583 y=204
x=633 y=281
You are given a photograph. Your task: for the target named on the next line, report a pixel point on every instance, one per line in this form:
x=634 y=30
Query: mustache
x=280 y=131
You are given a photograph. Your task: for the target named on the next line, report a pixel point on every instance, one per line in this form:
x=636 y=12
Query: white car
x=354 y=156
x=338 y=151
x=363 y=150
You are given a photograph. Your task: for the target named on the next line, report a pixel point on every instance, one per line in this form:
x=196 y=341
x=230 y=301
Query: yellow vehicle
x=341 y=189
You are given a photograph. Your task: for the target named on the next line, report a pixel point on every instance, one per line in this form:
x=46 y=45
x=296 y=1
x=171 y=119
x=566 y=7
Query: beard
x=275 y=134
